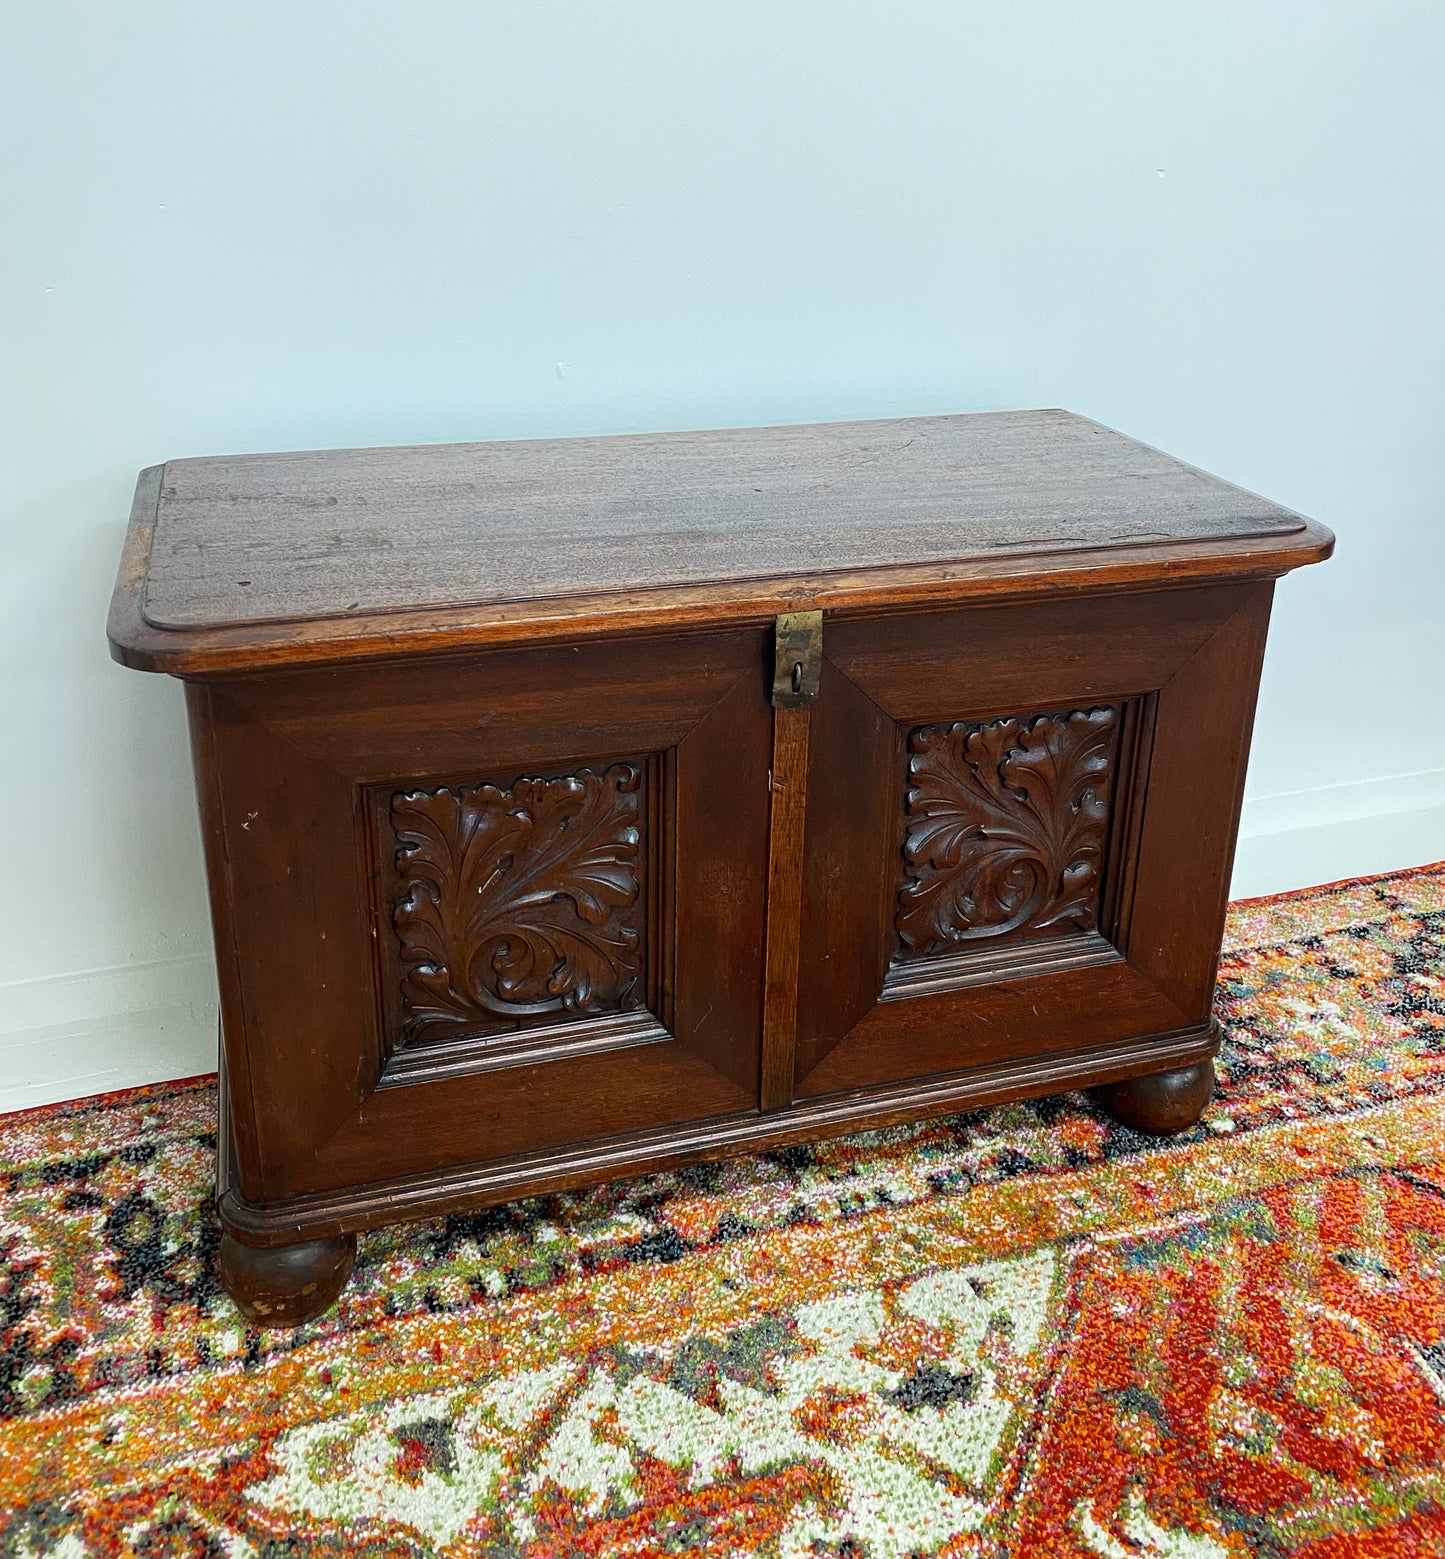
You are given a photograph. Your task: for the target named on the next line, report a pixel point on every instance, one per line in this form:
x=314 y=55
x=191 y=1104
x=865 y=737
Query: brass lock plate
x=798 y=659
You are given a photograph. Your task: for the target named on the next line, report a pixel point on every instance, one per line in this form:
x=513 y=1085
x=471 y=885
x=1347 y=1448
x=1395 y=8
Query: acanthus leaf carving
x=518 y=903
x=1005 y=831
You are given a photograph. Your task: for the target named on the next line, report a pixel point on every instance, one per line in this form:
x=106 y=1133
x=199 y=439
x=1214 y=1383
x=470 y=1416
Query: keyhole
x=797 y=676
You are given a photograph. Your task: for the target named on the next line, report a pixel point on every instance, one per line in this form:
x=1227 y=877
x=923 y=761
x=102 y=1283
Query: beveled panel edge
x=565 y=1041
x=479 y=1185
x=990 y=966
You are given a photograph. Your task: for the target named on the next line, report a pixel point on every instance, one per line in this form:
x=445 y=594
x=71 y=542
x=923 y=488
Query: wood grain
x=936 y=666
x=368 y=554
x=257 y=538
x=1031 y=1009
x=1203 y=724
x=368 y=1206
x=788 y=782
x=303 y=898
x=1178 y=668
x=852 y=863
x=718 y=896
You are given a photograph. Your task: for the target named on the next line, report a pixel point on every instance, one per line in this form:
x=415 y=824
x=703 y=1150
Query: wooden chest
x=580 y=807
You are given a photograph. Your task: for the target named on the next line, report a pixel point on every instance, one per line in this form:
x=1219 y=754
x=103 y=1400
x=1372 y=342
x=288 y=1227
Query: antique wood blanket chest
x=585 y=806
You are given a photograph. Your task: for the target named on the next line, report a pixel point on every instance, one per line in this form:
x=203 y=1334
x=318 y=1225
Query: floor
x=1017 y=1331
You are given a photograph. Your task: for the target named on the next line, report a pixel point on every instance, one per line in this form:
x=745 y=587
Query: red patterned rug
x=1019 y=1331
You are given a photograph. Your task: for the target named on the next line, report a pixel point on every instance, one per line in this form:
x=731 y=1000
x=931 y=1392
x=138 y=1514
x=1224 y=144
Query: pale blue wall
x=1218 y=228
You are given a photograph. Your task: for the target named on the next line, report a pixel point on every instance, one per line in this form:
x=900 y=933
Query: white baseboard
x=1301 y=838
x=1361 y=847
x=70 y=1061
x=57 y=1000
x=66 y=1036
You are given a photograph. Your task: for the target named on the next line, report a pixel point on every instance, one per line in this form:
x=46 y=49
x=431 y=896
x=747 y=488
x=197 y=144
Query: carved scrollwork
x=518 y=903
x=1005 y=831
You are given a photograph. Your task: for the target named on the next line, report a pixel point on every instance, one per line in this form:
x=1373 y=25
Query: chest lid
x=312 y=555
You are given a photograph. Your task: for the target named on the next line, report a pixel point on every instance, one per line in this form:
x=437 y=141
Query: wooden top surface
x=516 y=532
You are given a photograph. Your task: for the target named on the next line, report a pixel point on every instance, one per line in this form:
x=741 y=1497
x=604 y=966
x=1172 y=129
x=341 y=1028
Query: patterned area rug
x=1021 y=1331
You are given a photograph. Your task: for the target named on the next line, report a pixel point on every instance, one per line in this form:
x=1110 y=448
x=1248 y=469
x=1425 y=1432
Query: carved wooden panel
x=518 y=906
x=1005 y=829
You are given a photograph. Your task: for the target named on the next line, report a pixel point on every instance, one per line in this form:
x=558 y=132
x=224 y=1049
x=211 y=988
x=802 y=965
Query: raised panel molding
x=518 y=906
x=1005 y=828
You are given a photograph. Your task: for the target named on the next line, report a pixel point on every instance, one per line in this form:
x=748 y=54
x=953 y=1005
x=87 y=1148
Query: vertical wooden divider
x=785 y=903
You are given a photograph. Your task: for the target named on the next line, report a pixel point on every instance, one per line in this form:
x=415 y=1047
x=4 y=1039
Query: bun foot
x=286 y=1284
x=1162 y=1103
